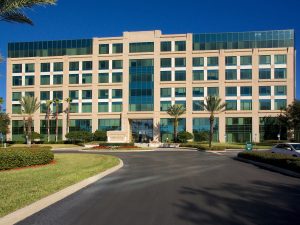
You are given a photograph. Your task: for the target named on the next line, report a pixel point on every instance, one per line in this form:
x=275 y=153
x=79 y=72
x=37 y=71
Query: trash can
x=248 y=146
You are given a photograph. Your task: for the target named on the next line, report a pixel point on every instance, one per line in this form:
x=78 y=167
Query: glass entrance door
x=142 y=130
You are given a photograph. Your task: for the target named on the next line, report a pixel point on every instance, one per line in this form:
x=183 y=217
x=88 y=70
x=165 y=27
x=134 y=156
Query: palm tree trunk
x=48 y=124
x=56 y=124
x=175 y=128
x=68 y=119
x=24 y=128
x=29 y=130
x=211 y=133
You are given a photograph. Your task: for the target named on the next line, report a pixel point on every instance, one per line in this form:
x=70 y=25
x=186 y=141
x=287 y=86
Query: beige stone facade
x=157 y=37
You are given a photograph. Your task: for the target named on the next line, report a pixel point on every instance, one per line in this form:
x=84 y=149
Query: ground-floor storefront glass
x=142 y=130
x=238 y=129
x=81 y=124
x=269 y=128
x=167 y=128
x=18 y=131
x=201 y=128
x=109 y=124
x=44 y=130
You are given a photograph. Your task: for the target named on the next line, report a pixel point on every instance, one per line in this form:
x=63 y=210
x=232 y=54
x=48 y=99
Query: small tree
x=4 y=123
x=212 y=105
x=29 y=106
x=184 y=136
x=48 y=105
x=68 y=101
x=79 y=136
x=56 y=101
x=176 y=111
x=1 y=100
x=100 y=135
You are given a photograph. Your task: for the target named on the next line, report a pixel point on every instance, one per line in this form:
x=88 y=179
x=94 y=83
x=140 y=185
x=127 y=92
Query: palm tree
x=1 y=99
x=68 y=101
x=212 y=105
x=48 y=105
x=56 y=101
x=30 y=105
x=12 y=10
x=176 y=111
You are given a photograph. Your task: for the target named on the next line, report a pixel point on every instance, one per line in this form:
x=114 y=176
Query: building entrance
x=142 y=130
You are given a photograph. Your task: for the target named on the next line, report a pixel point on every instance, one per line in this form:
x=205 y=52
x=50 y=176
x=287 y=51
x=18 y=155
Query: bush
x=16 y=157
x=201 y=136
x=184 y=136
x=100 y=135
x=76 y=136
x=280 y=160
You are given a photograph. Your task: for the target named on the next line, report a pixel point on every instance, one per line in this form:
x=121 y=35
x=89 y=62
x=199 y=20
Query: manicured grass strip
x=279 y=160
x=21 y=187
x=221 y=146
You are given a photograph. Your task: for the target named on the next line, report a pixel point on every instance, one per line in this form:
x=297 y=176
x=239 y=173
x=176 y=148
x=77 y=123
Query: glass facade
x=141 y=47
x=165 y=46
x=201 y=128
x=280 y=73
x=212 y=74
x=231 y=74
x=117 y=48
x=165 y=75
x=180 y=45
x=80 y=124
x=44 y=130
x=246 y=60
x=141 y=130
x=269 y=128
x=239 y=129
x=141 y=84
x=116 y=106
x=244 y=40
x=109 y=124
x=167 y=128
x=198 y=74
x=246 y=74
x=117 y=77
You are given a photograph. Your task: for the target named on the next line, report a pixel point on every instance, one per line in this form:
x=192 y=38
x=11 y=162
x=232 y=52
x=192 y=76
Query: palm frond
x=176 y=110
x=16 y=17
x=29 y=105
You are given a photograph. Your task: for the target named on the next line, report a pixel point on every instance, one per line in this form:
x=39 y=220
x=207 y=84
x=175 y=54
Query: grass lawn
x=54 y=146
x=21 y=187
x=223 y=146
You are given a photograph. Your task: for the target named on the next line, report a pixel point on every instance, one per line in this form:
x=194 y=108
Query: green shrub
x=76 y=136
x=201 y=136
x=203 y=147
x=115 y=144
x=17 y=157
x=184 y=136
x=100 y=135
x=280 y=160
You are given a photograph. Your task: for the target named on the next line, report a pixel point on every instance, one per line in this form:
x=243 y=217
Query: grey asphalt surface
x=174 y=188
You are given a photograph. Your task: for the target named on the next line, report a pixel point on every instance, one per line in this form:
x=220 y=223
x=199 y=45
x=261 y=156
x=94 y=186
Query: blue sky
x=94 y=18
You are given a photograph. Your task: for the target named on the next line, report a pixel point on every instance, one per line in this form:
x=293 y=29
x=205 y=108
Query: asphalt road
x=174 y=188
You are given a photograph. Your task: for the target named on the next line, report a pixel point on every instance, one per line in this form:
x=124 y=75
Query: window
x=103 y=94
x=264 y=60
x=87 y=65
x=103 y=78
x=29 y=80
x=117 y=64
x=74 y=79
x=104 y=65
x=280 y=59
x=116 y=106
x=165 y=92
x=246 y=104
x=280 y=104
x=165 y=62
x=58 y=95
x=212 y=61
x=212 y=74
x=246 y=91
x=198 y=105
x=73 y=107
x=102 y=106
x=230 y=61
x=179 y=102
x=16 y=96
x=45 y=95
x=231 y=105
x=117 y=77
x=264 y=73
x=17 y=68
x=180 y=75
x=73 y=95
x=73 y=66
x=198 y=61
x=29 y=93
x=264 y=91
x=45 y=79
x=179 y=92
x=103 y=48
x=212 y=91
x=180 y=46
x=231 y=74
x=16 y=109
x=265 y=104
x=246 y=74
x=238 y=129
x=58 y=66
x=29 y=68
x=180 y=62
x=117 y=48
x=57 y=79
x=116 y=93
x=45 y=67
x=164 y=105
x=198 y=75
x=198 y=92
x=165 y=46
x=165 y=75
x=43 y=108
x=280 y=90
x=17 y=80
x=86 y=94
x=86 y=107
x=59 y=107
x=246 y=60
x=280 y=73
x=109 y=124
x=141 y=47
x=231 y=91
x=87 y=78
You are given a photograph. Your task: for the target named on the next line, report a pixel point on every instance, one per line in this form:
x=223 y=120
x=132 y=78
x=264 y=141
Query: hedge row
x=202 y=147
x=17 y=157
x=280 y=160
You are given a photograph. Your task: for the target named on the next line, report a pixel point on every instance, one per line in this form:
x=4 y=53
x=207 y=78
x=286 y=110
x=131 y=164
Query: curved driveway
x=172 y=188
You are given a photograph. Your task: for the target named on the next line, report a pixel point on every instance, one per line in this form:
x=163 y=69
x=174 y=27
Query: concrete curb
x=35 y=207
x=270 y=167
